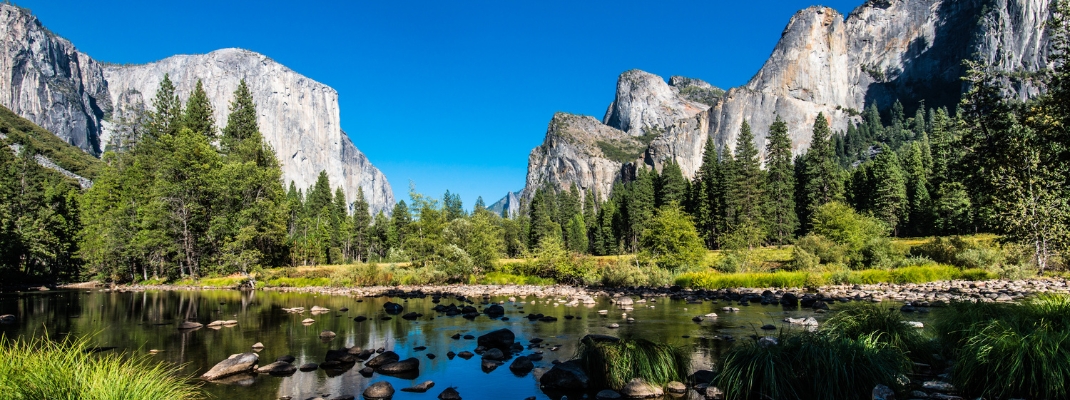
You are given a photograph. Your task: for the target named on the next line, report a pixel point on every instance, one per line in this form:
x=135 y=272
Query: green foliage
x=787 y=370
x=801 y=279
x=612 y=364
x=41 y=368
x=780 y=215
x=25 y=133
x=1026 y=345
x=858 y=320
x=823 y=183
x=670 y=240
x=843 y=225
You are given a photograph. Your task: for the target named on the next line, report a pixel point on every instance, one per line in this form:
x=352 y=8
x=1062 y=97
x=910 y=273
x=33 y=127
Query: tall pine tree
x=781 y=219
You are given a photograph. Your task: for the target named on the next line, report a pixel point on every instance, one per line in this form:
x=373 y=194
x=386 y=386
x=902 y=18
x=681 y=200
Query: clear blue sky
x=448 y=94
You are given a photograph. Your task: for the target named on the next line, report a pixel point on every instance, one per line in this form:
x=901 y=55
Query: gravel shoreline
x=945 y=291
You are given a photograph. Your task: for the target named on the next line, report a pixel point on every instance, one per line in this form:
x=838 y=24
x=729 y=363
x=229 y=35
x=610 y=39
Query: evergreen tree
x=452 y=206
x=706 y=195
x=782 y=221
x=917 y=189
x=361 y=227
x=542 y=214
x=889 y=196
x=671 y=185
x=166 y=117
x=319 y=195
x=640 y=204
x=241 y=122
x=823 y=181
x=480 y=205
x=401 y=218
x=198 y=117
x=747 y=187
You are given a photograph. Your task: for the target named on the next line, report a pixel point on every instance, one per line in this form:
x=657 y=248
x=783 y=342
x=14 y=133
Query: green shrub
x=809 y=366
x=612 y=364
x=826 y=250
x=69 y=369
x=503 y=278
x=802 y=260
x=368 y=274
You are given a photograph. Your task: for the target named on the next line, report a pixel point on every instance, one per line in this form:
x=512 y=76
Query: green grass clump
x=1010 y=350
x=613 y=364
x=787 y=279
x=810 y=366
x=858 y=320
x=504 y=278
x=69 y=369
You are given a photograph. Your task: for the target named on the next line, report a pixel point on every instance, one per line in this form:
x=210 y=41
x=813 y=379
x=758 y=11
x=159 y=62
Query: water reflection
x=145 y=321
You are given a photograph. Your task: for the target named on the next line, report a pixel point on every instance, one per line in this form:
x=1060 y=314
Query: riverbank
x=932 y=292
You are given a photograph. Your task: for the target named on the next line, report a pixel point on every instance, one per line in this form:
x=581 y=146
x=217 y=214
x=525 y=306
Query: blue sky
x=448 y=94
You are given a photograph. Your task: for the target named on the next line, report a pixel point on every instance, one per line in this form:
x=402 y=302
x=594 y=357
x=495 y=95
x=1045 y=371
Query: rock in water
x=400 y=367
x=420 y=388
x=501 y=339
x=383 y=359
x=881 y=392
x=640 y=389
x=449 y=394
x=379 y=390
x=521 y=365
x=494 y=354
x=235 y=364
x=184 y=325
x=567 y=376
x=607 y=395
x=676 y=387
x=277 y=368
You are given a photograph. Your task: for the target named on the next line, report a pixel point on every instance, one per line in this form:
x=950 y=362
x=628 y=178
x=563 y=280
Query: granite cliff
x=910 y=50
x=45 y=79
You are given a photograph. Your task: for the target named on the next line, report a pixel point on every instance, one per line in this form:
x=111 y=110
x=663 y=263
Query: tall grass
x=1010 y=350
x=40 y=368
x=808 y=366
x=613 y=364
x=786 y=279
x=858 y=320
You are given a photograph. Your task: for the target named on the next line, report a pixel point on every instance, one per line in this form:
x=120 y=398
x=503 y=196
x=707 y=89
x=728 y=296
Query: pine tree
x=917 y=189
x=889 y=201
x=671 y=185
x=198 y=117
x=241 y=122
x=166 y=118
x=747 y=187
x=640 y=204
x=319 y=195
x=401 y=218
x=823 y=181
x=782 y=221
x=451 y=203
x=480 y=205
x=706 y=196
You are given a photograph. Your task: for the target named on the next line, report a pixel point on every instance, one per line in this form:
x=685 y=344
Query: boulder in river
x=502 y=339
x=277 y=368
x=393 y=308
x=449 y=394
x=235 y=364
x=494 y=354
x=637 y=388
x=327 y=335
x=386 y=357
x=308 y=367
x=411 y=364
x=187 y=325
x=568 y=376
x=419 y=388
x=379 y=390
x=8 y=319
x=521 y=365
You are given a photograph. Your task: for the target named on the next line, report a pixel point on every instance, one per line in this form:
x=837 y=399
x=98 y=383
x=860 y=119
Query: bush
x=803 y=260
x=369 y=274
x=69 y=369
x=809 y=366
x=826 y=250
x=671 y=241
x=612 y=364
x=843 y=225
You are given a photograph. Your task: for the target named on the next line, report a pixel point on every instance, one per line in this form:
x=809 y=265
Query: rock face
x=46 y=80
x=909 y=50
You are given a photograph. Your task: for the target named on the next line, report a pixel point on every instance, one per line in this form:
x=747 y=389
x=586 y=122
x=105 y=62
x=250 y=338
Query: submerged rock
x=379 y=390
x=419 y=388
x=233 y=365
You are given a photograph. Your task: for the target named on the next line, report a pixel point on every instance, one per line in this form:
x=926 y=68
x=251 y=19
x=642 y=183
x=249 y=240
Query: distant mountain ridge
x=884 y=50
x=45 y=79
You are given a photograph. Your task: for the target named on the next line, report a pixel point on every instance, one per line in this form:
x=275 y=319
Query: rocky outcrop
x=299 y=117
x=43 y=78
x=46 y=80
x=910 y=50
x=581 y=150
x=511 y=203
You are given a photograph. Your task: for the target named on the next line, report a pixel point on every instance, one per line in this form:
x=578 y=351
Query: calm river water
x=142 y=321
